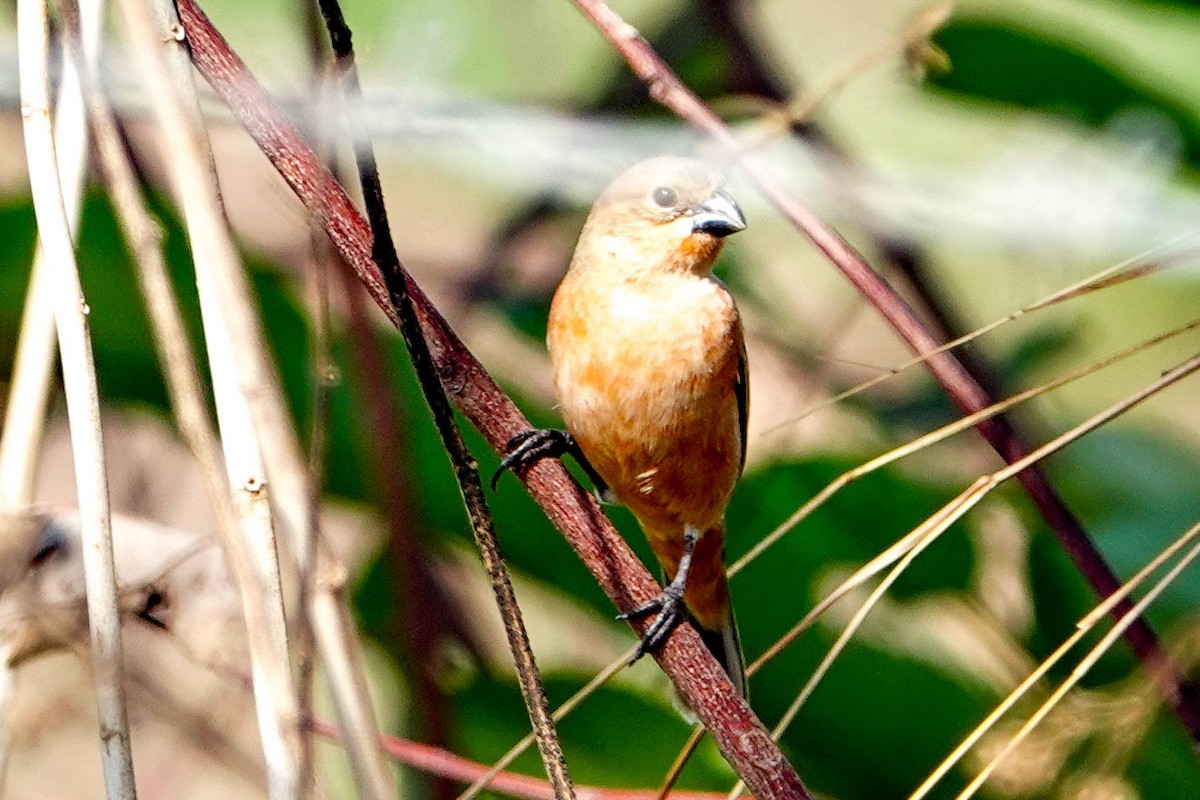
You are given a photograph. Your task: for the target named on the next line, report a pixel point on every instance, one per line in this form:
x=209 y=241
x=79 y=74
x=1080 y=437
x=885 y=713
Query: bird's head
x=664 y=214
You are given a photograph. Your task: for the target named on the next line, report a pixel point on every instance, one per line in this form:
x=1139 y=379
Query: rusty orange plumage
x=650 y=371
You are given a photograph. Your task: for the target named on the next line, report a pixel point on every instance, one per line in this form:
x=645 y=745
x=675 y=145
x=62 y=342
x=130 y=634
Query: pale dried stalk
x=1093 y=655
x=275 y=694
x=944 y=432
x=33 y=366
x=569 y=705
x=83 y=401
x=184 y=387
x=1144 y=263
x=924 y=534
x=257 y=382
x=33 y=369
x=1082 y=628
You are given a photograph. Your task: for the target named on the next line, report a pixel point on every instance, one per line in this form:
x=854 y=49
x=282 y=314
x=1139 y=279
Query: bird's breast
x=645 y=377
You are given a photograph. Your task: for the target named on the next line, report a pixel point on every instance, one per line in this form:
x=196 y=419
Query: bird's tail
x=725 y=644
x=707 y=599
x=706 y=594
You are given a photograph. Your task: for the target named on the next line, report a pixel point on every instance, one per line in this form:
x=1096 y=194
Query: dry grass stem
x=213 y=254
x=36 y=351
x=83 y=401
x=923 y=535
x=1140 y=265
x=676 y=769
x=942 y=433
x=1082 y=628
x=33 y=364
x=258 y=383
x=465 y=470
x=268 y=649
x=1094 y=655
x=569 y=705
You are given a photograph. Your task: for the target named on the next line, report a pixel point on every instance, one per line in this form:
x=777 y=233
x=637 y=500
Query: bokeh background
x=1061 y=138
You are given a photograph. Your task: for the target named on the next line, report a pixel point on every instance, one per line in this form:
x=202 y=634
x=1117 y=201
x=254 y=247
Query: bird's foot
x=533 y=445
x=670 y=608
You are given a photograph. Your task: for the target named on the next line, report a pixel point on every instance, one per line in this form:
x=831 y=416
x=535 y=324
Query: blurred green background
x=1063 y=138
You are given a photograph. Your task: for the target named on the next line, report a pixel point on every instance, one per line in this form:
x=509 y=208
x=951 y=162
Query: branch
x=696 y=674
x=666 y=88
x=465 y=470
x=441 y=762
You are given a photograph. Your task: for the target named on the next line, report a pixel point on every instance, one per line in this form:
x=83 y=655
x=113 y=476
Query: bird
x=649 y=363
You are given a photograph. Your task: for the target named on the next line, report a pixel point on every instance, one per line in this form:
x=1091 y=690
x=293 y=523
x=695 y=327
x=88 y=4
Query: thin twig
x=942 y=433
x=36 y=351
x=598 y=680
x=1085 y=665
x=438 y=761
x=702 y=683
x=907 y=542
x=320 y=256
x=925 y=533
x=29 y=389
x=1126 y=270
x=466 y=471
x=966 y=392
x=1082 y=628
x=423 y=635
x=676 y=769
x=33 y=364
x=83 y=401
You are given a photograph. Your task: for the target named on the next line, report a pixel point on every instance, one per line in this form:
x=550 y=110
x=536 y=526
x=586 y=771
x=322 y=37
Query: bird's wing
x=741 y=389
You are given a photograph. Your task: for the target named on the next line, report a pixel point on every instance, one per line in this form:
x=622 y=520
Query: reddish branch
x=666 y=88
x=440 y=762
x=700 y=681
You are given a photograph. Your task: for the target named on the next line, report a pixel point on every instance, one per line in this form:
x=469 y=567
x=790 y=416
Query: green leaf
x=1047 y=70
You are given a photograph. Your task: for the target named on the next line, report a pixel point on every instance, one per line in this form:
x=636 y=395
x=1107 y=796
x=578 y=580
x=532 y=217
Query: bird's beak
x=719 y=216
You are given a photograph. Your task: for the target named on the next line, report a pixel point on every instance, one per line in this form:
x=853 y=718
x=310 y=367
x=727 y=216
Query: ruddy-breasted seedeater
x=650 y=370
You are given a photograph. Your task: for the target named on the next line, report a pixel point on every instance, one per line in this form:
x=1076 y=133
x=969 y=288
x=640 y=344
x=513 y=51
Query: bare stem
x=253 y=558
x=33 y=366
x=258 y=382
x=83 y=401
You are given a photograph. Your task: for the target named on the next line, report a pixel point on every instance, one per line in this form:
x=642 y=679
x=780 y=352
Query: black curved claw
x=670 y=608
x=669 y=603
x=533 y=445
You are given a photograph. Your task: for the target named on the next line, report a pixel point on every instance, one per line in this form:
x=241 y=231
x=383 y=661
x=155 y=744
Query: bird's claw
x=670 y=608
x=533 y=445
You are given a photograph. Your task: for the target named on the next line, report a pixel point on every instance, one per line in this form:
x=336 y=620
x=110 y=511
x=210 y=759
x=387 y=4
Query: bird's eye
x=664 y=197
